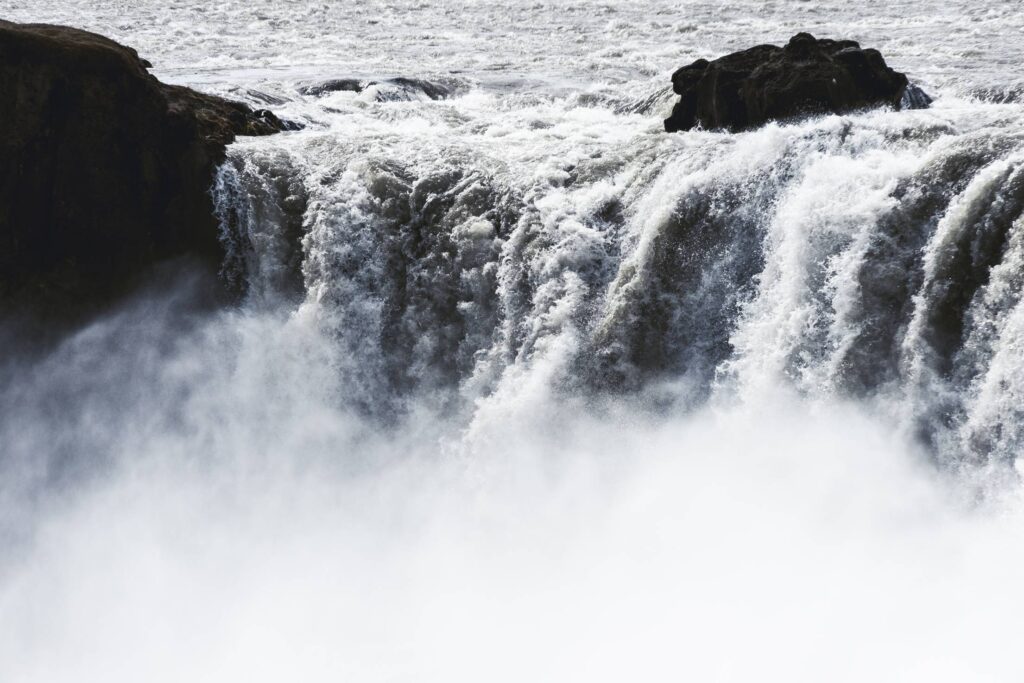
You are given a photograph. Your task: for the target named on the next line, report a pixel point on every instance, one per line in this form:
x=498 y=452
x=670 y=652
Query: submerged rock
x=397 y=89
x=334 y=85
x=104 y=170
x=768 y=83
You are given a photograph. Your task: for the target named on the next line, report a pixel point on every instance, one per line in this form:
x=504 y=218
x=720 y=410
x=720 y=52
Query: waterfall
x=510 y=385
x=867 y=256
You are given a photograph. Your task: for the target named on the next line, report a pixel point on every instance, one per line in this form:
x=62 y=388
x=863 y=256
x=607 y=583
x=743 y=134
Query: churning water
x=522 y=388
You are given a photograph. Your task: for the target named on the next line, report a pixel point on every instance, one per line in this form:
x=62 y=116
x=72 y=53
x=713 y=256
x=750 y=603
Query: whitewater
x=518 y=387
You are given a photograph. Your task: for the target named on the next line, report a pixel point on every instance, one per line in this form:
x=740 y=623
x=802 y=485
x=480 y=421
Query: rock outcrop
x=768 y=83
x=104 y=170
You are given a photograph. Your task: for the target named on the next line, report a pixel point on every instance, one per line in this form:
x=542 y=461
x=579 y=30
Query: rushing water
x=519 y=387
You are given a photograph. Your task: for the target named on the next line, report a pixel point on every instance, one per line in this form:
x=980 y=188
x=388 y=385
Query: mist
x=227 y=517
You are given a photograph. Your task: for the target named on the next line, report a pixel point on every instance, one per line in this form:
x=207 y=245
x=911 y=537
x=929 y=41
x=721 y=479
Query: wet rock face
x=767 y=83
x=104 y=170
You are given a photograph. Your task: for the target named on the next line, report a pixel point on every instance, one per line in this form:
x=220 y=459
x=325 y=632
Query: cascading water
x=519 y=387
x=867 y=256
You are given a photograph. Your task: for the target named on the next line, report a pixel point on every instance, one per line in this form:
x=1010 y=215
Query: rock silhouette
x=104 y=170
x=808 y=76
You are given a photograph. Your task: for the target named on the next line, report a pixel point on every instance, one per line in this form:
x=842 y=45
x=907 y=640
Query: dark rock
x=768 y=83
x=435 y=91
x=104 y=170
x=334 y=85
x=397 y=89
x=288 y=124
x=915 y=98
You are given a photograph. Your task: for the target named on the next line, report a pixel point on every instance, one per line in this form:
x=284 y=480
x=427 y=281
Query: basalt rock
x=104 y=170
x=768 y=83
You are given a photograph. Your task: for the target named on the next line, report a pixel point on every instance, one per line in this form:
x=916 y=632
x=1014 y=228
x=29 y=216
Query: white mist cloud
x=251 y=530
